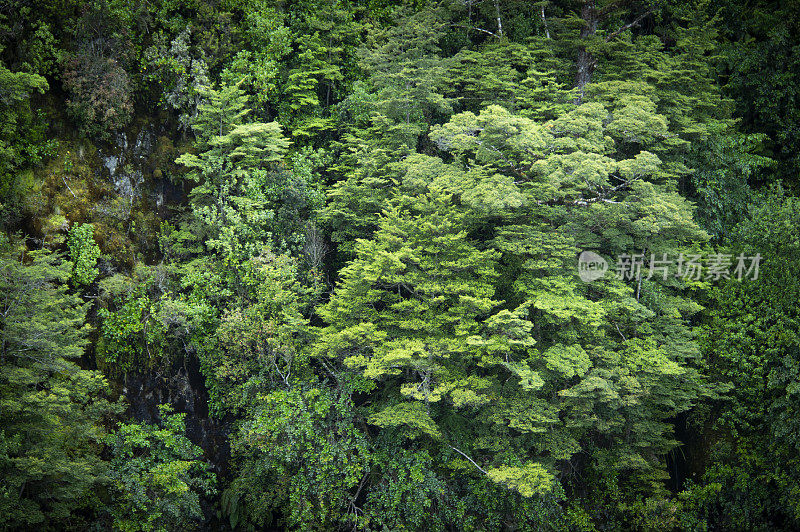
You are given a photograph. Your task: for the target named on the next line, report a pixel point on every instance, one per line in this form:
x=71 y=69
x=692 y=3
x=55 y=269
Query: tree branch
x=475 y=28
x=482 y=470
x=544 y=21
x=629 y=26
x=68 y=187
x=499 y=21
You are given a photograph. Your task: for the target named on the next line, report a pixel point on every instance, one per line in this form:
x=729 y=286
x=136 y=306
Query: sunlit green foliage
x=158 y=475
x=84 y=253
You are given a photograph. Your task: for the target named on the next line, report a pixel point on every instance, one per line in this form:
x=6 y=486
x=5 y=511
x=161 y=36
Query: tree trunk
x=586 y=61
x=499 y=20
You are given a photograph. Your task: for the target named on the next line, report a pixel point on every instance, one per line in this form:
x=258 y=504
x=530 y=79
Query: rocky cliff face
x=139 y=164
x=126 y=188
x=183 y=387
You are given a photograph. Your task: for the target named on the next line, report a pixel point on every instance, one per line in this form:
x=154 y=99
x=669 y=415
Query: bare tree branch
x=544 y=21
x=629 y=26
x=499 y=21
x=482 y=470
x=475 y=28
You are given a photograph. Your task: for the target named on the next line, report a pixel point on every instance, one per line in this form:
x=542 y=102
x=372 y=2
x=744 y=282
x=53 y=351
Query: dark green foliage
x=751 y=341
x=100 y=92
x=51 y=411
x=22 y=141
x=761 y=58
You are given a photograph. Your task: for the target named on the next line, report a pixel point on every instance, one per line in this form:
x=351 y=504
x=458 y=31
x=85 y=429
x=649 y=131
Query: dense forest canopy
x=429 y=265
